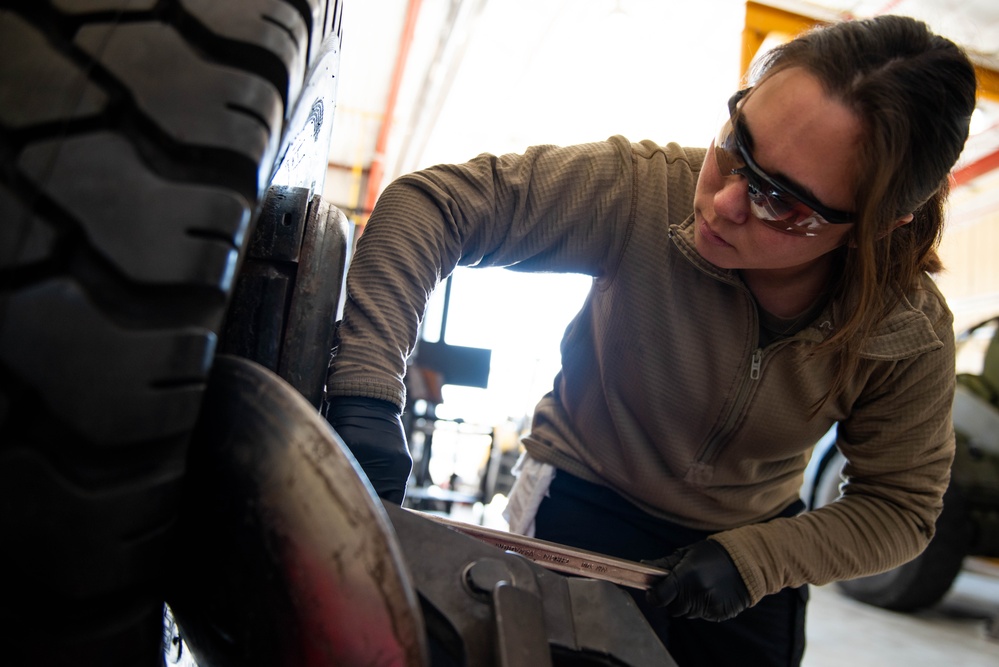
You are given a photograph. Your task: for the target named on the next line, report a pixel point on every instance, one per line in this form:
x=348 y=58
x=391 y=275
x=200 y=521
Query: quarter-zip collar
x=906 y=331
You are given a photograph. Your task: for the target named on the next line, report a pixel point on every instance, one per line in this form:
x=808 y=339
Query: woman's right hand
x=372 y=430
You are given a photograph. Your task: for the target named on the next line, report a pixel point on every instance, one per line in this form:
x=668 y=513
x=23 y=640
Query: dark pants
x=587 y=516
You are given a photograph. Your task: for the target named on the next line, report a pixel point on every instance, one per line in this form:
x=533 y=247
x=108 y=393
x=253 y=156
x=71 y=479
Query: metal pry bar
x=561 y=558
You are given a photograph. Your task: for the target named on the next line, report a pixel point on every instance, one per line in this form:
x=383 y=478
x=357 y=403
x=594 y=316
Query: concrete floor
x=956 y=632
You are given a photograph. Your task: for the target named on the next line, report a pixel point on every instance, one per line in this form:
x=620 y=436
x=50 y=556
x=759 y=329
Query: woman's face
x=801 y=135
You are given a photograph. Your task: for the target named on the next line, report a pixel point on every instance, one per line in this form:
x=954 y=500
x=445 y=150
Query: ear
x=904 y=220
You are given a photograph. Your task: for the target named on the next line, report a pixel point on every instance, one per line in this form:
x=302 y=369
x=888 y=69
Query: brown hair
x=914 y=92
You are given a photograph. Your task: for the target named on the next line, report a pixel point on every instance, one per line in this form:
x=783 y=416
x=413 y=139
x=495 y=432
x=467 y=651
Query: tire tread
x=137 y=141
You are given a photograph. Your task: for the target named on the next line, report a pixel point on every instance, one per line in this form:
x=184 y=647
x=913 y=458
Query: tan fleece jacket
x=665 y=394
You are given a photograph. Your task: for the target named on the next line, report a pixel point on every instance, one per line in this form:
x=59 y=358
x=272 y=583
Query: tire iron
x=558 y=557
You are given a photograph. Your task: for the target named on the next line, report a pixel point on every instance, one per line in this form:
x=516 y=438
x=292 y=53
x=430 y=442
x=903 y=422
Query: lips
x=711 y=237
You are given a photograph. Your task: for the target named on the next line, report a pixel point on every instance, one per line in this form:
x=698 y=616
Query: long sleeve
x=899 y=445
x=550 y=209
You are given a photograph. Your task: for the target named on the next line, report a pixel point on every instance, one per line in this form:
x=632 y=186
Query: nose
x=731 y=200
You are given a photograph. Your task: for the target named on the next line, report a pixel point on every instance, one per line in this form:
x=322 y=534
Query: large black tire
x=137 y=139
x=923 y=581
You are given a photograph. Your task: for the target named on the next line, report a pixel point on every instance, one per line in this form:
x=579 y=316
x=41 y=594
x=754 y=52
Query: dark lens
x=770 y=203
x=782 y=199
x=777 y=204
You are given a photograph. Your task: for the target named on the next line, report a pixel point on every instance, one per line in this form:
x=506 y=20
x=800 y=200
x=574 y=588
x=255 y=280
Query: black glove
x=372 y=430
x=703 y=583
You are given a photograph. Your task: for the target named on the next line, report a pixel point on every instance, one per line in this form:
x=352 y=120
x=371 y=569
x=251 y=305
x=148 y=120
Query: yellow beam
x=988 y=82
x=761 y=20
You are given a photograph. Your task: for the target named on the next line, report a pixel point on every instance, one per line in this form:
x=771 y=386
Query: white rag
x=530 y=488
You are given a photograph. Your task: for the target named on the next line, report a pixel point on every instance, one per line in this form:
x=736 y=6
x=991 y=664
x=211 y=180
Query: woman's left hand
x=703 y=583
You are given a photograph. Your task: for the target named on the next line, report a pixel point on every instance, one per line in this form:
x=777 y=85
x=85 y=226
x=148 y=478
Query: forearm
x=398 y=261
x=885 y=518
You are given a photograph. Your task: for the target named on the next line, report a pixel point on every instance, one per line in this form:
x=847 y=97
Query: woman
x=745 y=298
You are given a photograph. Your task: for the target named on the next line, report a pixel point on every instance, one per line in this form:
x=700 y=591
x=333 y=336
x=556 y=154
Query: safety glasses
x=775 y=202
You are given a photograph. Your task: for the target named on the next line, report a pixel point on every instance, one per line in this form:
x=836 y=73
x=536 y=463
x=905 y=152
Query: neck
x=791 y=291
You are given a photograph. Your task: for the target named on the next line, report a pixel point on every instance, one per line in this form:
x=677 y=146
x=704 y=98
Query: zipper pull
x=754 y=370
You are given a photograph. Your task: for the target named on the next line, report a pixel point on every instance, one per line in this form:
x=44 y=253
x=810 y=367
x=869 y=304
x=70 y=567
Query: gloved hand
x=372 y=430
x=703 y=583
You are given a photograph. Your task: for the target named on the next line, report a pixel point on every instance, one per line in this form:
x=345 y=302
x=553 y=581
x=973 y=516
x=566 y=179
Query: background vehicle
x=969 y=523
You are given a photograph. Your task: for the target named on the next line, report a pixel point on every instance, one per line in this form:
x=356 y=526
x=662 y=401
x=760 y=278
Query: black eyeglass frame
x=779 y=188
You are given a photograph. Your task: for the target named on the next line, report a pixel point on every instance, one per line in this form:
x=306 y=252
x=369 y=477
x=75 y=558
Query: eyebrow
x=780 y=177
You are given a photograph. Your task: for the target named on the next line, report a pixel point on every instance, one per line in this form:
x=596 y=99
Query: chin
x=709 y=252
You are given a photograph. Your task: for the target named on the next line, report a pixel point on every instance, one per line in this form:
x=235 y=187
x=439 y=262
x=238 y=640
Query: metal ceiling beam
x=456 y=32
x=377 y=168
x=982 y=165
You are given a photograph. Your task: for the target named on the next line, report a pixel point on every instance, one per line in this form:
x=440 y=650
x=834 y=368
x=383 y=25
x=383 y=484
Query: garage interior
x=429 y=81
